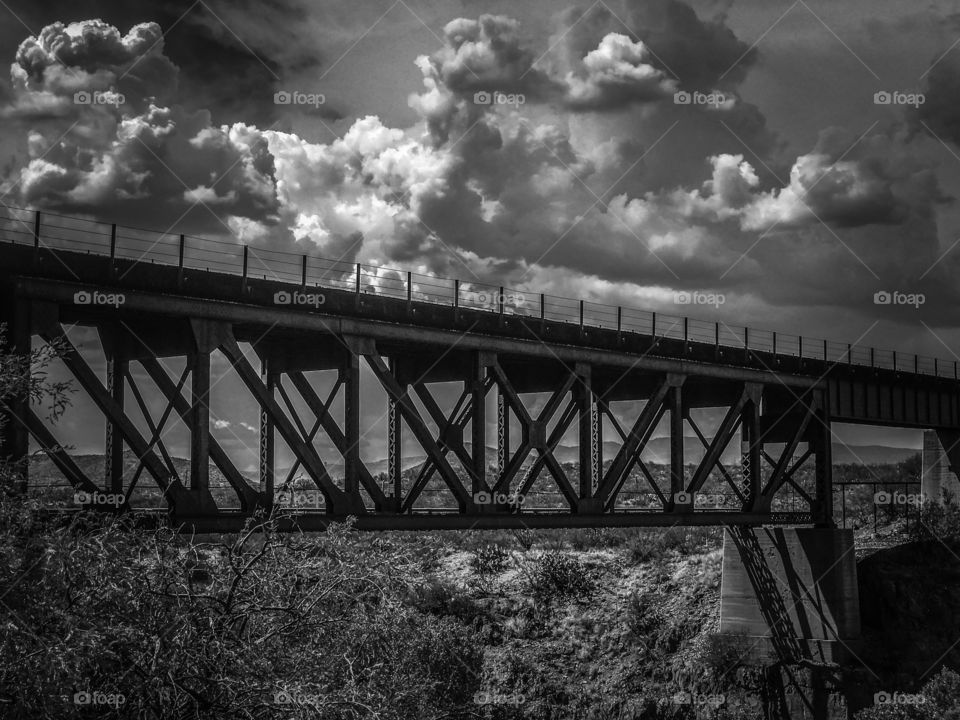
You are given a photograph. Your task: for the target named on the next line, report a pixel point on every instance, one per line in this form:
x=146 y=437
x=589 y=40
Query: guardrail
x=62 y=232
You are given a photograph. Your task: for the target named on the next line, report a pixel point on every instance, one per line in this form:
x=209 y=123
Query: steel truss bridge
x=185 y=298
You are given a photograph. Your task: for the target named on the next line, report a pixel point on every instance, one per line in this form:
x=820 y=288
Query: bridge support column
x=822 y=446
x=503 y=437
x=791 y=593
x=14 y=437
x=117 y=366
x=395 y=446
x=940 y=476
x=586 y=412
x=197 y=500
x=267 y=442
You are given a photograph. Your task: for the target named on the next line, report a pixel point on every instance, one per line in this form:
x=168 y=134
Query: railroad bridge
x=152 y=297
x=162 y=305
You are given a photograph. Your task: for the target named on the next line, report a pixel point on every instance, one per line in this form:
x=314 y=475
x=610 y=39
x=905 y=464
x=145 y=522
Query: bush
x=655 y=545
x=524 y=538
x=216 y=630
x=557 y=576
x=938 y=521
x=941 y=697
x=490 y=560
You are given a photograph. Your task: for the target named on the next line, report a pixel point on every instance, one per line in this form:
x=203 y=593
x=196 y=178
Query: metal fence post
x=246 y=258
x=358 y=279
x=581 y=316
x=500 y=303
x=303 y=271
x=183 y=242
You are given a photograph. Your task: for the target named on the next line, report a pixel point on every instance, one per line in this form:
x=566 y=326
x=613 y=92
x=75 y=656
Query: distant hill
x=657 y=451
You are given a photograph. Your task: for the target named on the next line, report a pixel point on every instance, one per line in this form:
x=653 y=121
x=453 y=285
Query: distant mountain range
x=657 y=451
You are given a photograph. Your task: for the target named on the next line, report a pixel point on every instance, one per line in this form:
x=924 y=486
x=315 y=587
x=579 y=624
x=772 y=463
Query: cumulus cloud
x=116 y=142
x=618 y=72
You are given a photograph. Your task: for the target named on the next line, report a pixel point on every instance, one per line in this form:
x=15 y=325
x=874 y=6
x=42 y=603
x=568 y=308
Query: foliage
x=938 y=521
x=490 y=560
x=559 y=576
x=649 y=545
x=939 y=699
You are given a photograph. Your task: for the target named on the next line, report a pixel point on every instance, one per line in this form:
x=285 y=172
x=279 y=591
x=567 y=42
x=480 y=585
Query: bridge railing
x=52 y=231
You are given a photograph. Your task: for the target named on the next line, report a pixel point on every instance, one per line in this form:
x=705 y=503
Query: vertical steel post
x=116 y=380
x=583 y=393
x=478 y=423
x=267 y=441
x=351 y=420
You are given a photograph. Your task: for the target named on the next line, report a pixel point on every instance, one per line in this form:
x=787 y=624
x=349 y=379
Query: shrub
x=655 y=545
x=939 y=521
x=490 y=560
x=941 y=702
x=643 y=612
x=557 y=576
x=524 y=538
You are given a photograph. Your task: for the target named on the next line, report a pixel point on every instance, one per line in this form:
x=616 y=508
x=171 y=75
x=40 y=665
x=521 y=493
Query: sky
x=795 y=158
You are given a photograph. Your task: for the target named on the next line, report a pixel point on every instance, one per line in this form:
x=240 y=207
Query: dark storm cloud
x=700 y=54
x=228 y=66
x=940 y=112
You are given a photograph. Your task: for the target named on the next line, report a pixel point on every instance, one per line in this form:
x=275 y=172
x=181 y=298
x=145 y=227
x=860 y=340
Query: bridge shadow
x=798 y=670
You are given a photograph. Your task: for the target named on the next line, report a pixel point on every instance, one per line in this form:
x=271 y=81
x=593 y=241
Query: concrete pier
x=791 y=594
x=938 y=479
